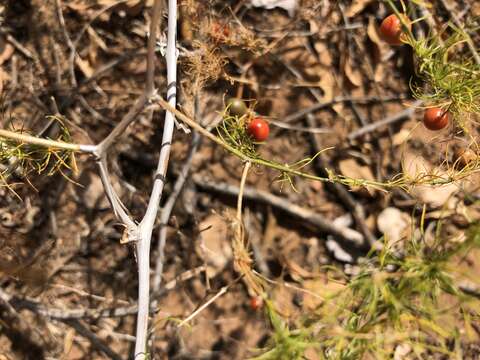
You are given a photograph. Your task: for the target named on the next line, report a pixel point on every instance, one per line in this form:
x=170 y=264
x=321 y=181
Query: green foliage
x=404 y=297
x=450 y=80
x=446 y=66
x=285 y=344
x=233 y=131
x=24 y=160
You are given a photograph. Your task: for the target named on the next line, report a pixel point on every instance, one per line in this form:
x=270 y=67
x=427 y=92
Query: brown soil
x=60 y=242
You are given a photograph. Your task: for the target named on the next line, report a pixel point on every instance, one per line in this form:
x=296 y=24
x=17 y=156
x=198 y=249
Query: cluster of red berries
x=257 y=127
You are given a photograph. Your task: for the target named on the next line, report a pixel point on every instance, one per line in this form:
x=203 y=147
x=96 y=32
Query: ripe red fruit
x=256 y=302
x=391 y=29
x=435 y=118
x=258 y=129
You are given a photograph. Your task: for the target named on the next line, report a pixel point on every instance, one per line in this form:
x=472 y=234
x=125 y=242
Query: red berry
x=258 y=129
x=435 y=118
x=256 y=302
x=391 y=29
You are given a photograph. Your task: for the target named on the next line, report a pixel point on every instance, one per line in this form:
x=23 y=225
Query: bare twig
x=61 y=314
x=27 y=330
x=29 y=139
x=95 y=313
x=94 y=340
x=21 y=48
x=94 y=17
x=339 y=99
x=148 y=221
x=115 y=202
x=85 y=293
x=149 y=88
x=109 y=65
x=167 y=210
x=408 y=112
x=222 y=291
x=143 y=232
x=100 y=149
x=309 y=216
x=69 y=42
x=120 y=128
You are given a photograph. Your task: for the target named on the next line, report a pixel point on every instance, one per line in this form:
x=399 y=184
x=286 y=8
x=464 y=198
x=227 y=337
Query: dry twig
x=347 y=234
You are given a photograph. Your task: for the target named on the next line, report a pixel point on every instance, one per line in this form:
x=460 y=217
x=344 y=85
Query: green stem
x=400 y=182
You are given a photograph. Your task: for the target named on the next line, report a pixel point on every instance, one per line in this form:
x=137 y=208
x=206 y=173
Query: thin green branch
x=287 y=170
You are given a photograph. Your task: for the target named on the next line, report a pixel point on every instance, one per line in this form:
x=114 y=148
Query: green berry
x=236 y=107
